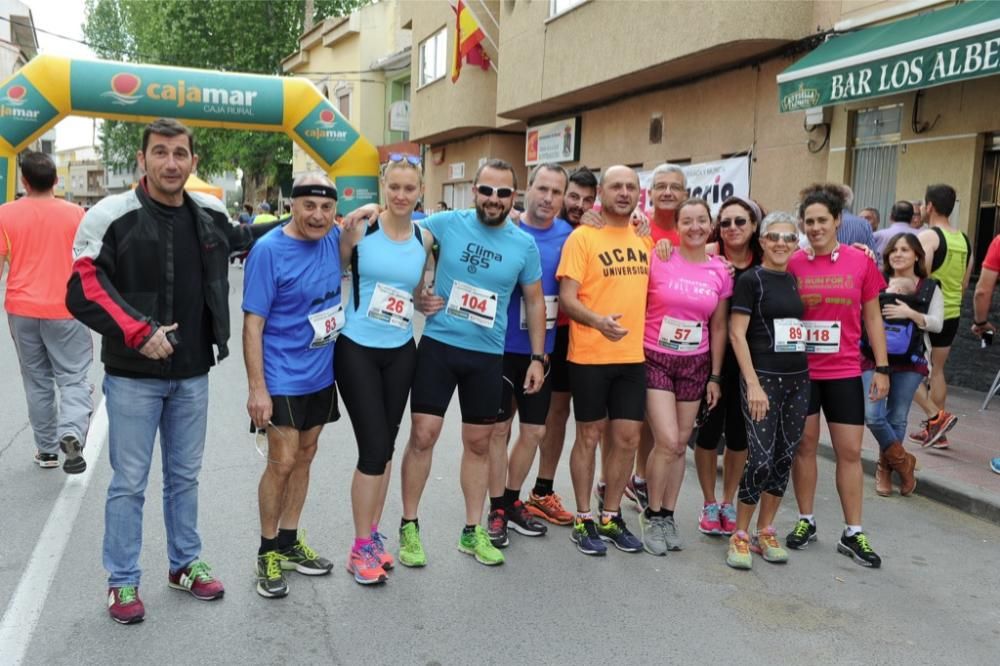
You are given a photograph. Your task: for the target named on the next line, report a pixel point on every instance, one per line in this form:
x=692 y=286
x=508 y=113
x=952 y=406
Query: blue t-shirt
x=478 y=267
x=287 y=280
x=395 y=267
x=550 y=243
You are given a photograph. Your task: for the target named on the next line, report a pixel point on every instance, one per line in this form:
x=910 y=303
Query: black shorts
x=441 y=367
x=305 y=412
x=615 y=391
x=727 y=417
x=532 y=408
x=842 y=400
x=558 y=365
x=947 y=335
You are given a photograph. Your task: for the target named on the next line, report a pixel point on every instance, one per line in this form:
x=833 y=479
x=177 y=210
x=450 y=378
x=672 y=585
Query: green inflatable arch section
x=49 y=88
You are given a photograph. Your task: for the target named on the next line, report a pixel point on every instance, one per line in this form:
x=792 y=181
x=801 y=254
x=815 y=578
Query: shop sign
x=558 y=141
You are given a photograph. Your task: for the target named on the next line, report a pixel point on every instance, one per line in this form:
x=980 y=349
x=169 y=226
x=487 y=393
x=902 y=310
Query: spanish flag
x=468 y=38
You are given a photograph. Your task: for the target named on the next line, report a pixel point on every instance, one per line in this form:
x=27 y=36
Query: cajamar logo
x=803 y=98
x=124 y=87
x=15 y=95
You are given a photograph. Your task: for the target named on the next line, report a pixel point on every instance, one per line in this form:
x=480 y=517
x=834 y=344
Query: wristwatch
x=882 y=369
x=538 y=357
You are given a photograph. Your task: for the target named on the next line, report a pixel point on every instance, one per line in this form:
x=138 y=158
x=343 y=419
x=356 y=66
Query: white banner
x=712 y=181
x=557 y=141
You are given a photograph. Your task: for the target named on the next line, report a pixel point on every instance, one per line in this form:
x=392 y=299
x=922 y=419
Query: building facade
x=361 y=63
x=638 y=86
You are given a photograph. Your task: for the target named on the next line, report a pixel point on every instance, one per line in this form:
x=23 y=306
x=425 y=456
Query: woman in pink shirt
x=839 y=286
x=685 y=338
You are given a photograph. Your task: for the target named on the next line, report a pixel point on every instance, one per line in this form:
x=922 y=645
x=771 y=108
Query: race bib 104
x=472 y=304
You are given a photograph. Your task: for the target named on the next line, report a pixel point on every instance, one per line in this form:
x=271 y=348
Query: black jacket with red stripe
x=122 y=283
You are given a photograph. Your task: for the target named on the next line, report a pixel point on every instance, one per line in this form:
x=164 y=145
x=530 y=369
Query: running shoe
x=411 y=551
x=727 y=518
x=739 y=556
x=478 y=544
x=384 y=556
x=938 y=426
x=599 y=497
x=765 y=543
x=197 y=579
x=653 y=541
x=303 y=559
x=365 y=566
x=614 y=531
x=548 y=507
x=801 y=535
x=638 y=492
x=671 y=535
x=523 y=522
x=708 y=520
x=586 y=538
x=124 y=604
x=995 y=465
x=46 y=460
x=74 y=462
x=941 y=444
x=857 y=548
x=920 y=436
x=271 y=581
x=496 y=528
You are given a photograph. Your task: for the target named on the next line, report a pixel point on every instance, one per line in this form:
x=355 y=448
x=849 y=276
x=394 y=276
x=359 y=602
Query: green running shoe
x=411 y=551
x=478 y=544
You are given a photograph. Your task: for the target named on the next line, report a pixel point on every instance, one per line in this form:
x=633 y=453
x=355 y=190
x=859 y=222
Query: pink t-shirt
x=833 y=292
x=687 y=295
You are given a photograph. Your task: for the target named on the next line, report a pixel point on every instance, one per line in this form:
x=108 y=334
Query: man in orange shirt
x=53 y=348
x=604 y=274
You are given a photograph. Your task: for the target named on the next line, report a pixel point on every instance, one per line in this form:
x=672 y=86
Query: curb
x=965 y=497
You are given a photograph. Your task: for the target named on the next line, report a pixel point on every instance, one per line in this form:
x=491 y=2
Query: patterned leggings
x=771 y=442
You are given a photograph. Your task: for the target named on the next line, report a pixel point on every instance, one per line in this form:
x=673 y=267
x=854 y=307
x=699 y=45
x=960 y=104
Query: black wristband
x=715 y=378
x=538 y=357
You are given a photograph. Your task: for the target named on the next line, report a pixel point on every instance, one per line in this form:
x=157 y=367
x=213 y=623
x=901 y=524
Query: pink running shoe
x=727 y=518
x=708 y=520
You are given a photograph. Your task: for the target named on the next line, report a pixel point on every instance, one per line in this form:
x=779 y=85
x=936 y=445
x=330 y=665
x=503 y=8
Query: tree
x=251 y=36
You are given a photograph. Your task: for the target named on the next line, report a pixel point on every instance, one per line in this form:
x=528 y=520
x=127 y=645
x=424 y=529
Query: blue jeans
x=178 y=408
x=886 y=419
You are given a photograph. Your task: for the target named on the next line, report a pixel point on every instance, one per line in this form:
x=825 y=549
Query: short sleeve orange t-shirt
x=612 y=266
x=36 y=236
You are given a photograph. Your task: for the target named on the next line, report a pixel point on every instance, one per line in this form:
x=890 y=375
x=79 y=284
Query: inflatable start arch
x=49 y=88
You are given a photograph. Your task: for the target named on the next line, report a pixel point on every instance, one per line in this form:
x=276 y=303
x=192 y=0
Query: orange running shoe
x=365 y=566
x=548 y=507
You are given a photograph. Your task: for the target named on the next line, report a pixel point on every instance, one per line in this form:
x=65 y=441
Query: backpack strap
x=355 y=274
x=942 y=249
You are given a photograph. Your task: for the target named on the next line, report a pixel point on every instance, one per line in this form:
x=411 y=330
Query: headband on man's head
x=315 y=190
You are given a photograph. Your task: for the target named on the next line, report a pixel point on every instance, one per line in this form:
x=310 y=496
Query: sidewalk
x=959 y=476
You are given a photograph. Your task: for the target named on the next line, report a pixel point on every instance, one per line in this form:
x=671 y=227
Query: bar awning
x=941 y=47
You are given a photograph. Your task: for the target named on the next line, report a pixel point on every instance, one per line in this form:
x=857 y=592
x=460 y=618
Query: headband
x=317 y=190
x=749 y=203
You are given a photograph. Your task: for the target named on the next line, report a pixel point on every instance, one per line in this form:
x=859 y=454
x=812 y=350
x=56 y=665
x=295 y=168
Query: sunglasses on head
x=501 y=192
x=738 y=221
x=403 y=157
x=775 y=236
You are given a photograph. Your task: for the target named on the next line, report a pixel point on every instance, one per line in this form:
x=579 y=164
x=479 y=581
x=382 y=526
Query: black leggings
x=727 y=416
x=771 y=442
x=374 y=384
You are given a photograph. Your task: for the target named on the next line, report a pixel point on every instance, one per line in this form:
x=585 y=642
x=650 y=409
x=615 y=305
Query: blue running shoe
x=995 y=465
x=613 y=530
x=586 y=538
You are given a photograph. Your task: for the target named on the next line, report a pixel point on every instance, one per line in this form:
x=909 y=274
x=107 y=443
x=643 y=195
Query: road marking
x=25 y=608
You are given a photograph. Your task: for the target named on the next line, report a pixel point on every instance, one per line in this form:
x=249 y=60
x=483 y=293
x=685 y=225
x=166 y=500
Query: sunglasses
x=738 y=221
x=403 y=157
x=501 y=192
x=775 y=236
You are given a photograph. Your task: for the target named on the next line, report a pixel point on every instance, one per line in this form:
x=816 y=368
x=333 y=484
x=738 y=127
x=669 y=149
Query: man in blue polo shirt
x=292 y=314
x=482 y=258
x=543 y=202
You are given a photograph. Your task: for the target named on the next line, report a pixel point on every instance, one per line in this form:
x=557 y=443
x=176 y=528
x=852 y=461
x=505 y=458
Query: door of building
x=988 y=220
x=875 y=155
